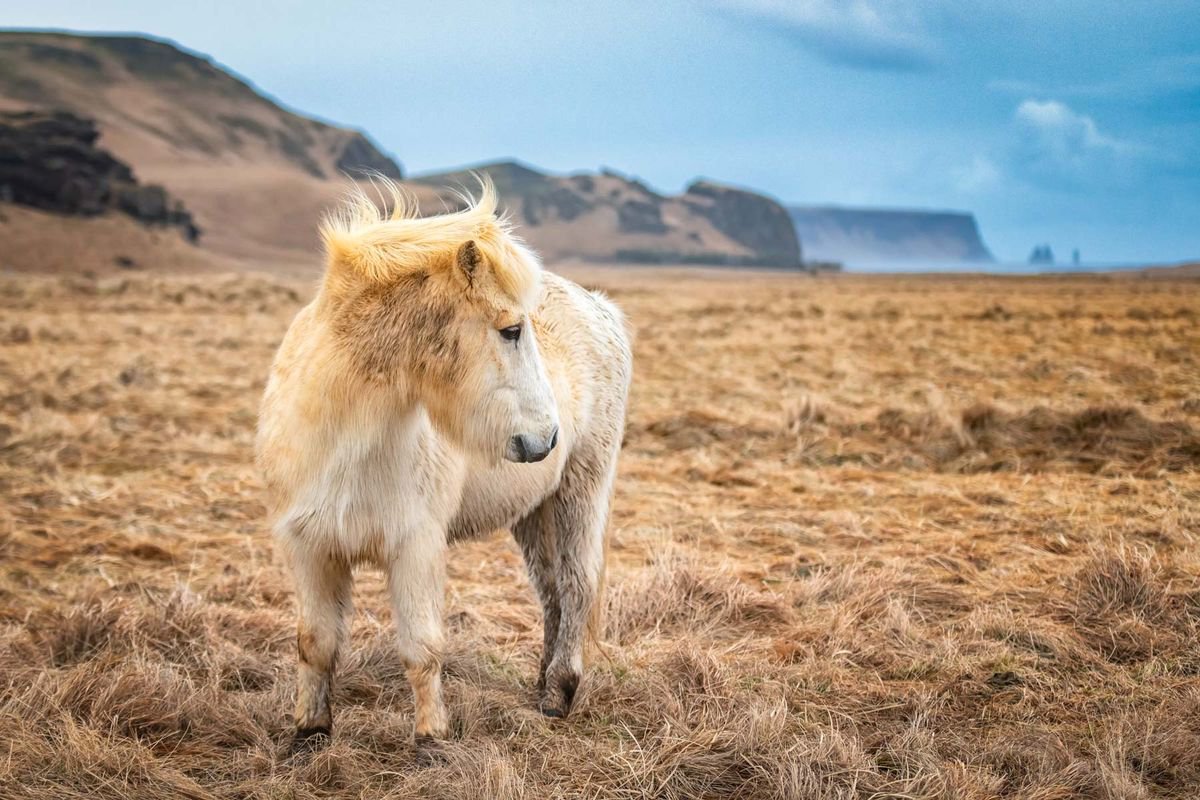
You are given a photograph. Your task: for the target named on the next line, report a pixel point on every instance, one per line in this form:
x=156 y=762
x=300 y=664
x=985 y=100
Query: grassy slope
x=850 y=556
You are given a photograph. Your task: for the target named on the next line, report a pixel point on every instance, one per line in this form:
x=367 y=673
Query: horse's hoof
x=429 y=751
x=309 y=740
x=559 y=696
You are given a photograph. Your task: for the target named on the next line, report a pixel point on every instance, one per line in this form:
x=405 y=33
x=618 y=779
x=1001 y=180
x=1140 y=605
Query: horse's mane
x=384 y=238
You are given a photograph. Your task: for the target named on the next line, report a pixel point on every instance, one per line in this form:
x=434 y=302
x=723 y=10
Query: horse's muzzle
x=525 y=449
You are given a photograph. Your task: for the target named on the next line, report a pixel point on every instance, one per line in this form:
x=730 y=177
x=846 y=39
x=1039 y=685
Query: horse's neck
x=379 y=416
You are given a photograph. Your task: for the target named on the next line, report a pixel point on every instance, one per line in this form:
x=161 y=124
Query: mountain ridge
x=608 y=216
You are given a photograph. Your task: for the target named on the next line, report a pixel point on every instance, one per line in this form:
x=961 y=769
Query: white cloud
x=1051 y=146
x=1056 y=145
x=1061 y=127
x=874 y=34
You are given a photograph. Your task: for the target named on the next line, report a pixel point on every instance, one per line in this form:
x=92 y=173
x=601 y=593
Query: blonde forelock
x=385 y=238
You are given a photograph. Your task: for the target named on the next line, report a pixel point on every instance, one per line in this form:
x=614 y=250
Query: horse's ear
x=467 y=260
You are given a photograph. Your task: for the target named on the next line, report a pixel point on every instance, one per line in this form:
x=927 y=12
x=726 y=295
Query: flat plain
x=880 y=537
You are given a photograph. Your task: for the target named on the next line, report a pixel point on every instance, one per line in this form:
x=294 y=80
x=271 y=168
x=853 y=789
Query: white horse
x=440 y=386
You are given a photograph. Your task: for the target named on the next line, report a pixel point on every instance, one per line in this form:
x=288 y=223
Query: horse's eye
x=511 y=333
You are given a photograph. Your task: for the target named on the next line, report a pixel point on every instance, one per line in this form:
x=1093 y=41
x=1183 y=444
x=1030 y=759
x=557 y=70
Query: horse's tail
x=594 y=631
x=595 y=621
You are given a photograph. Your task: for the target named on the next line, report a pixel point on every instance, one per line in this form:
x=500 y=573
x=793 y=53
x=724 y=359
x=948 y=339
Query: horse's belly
x=496 y=497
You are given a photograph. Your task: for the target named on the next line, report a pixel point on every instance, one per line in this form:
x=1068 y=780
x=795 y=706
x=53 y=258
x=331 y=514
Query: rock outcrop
x=1041 y=254
x=748 y=218
x=50 y=161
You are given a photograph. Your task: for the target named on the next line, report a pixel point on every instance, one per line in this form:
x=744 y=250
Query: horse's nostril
x=517 y=445
x=553 y=439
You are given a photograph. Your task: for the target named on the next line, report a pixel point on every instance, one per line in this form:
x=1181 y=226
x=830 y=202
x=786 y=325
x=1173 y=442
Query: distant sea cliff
x=848 y=235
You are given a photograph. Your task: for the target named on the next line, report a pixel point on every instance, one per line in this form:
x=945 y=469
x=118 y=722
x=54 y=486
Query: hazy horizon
x=1076 y=126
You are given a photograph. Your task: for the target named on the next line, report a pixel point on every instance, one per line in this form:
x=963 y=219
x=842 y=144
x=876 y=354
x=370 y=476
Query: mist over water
x=987 y=267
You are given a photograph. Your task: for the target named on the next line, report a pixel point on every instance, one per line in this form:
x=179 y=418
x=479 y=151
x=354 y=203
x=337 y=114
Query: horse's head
x=441 y=310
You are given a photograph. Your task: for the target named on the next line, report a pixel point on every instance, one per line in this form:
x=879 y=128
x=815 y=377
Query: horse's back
x=588 y=336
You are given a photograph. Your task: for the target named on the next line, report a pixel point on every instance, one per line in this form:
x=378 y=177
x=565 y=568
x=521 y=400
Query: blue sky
x=1069 y=122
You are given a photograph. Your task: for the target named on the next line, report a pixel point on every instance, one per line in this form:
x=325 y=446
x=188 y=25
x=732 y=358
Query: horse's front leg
x=416 y=582
x=323 y=600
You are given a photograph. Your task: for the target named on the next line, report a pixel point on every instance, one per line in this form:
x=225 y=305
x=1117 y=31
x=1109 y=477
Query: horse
x=440 y=386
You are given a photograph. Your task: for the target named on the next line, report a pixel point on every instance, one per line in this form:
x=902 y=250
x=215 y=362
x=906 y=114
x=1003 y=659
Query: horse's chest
x=496 y=497
x=399 y=481
x=377 y=490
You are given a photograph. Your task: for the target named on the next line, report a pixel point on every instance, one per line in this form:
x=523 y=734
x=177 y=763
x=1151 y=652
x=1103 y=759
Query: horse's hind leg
x=535 y=534
x=580 y=510
x=416 y=582
x=323 y=598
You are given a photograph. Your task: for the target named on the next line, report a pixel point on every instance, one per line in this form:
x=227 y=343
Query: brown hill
x=609 y=217
x=255 y=175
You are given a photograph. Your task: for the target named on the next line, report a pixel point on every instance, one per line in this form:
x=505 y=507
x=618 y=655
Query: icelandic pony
x=440 y=386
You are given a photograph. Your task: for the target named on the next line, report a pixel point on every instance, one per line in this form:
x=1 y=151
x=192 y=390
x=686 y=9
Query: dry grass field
x=877 y=537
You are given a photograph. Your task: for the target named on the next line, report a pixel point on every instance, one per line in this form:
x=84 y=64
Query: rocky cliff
x=879 y=235
x=611 y=217
x=751 y=219
x=50 y=161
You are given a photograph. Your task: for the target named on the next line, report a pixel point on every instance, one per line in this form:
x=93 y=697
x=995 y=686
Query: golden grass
x=873 y=537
